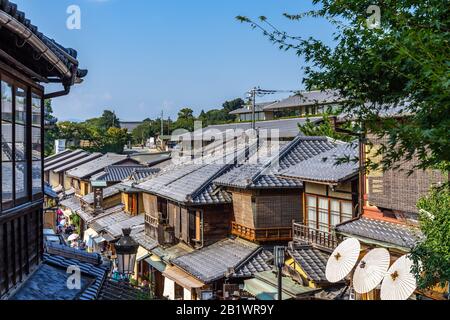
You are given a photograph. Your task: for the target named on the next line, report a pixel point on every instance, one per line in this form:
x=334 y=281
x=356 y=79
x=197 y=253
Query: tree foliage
x=431 y=255
x=402 y=63
x=324 y=129
x=51 y=130
x=103 y=134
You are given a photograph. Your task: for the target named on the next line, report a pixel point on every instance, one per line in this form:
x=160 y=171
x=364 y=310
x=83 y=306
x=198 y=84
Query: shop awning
x=156 y=263
x=142 y=254
x=264 y=287
x=182 y=278
x=89 y=233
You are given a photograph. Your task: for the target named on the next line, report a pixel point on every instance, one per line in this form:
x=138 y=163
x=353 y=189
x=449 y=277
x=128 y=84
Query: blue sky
x=145 y=56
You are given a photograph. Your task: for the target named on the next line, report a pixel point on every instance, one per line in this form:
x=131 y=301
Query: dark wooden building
x=28 y=60
x=264 y=202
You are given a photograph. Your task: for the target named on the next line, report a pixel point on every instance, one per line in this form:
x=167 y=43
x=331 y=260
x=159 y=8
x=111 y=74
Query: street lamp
x=279 y=255
x=126 y=250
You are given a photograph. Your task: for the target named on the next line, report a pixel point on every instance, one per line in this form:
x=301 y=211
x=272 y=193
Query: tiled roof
x=213 y=262
x=63 y=60
x=264 y=175
x=107 y=192
x=90 y=168
x=143 y=173
x=261 y=260
x=248 y=109
x=89 y=215
x=121 y=291
x=286 y=128
x=49 y=273
x=72 y=203
x=383 y=231
x=56 y=156
x=306 y=99
x=312 y=261
x=78 y=162
x=325 y=167
x=50 y=164
x=119 y=173
x=189 y=183
x=104 y=222
x=144 y=240
x=114 y=231
x=70 y=160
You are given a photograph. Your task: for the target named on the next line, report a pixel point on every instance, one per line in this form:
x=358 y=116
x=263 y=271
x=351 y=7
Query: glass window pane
x=21 y=180
x=7 y=143
x=335 y=213
x=36 y=109
x=21 y=152
x=7 y=181
x=347 y=211
x=36 y=143
x=21 y=106
x=323 y=214
x=37 y=177
x=6 y=92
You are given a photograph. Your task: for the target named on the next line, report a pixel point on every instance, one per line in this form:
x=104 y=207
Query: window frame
x=307 y=207
x=30 y=89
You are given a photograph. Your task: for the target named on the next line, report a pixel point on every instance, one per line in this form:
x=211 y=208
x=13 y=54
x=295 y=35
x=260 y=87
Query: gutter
x=28 y=36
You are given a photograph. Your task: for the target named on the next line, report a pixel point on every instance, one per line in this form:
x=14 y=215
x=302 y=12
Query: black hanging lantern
x=126 y=250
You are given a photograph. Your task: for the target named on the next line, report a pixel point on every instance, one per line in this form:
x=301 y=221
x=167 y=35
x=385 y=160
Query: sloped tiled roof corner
x=264 y=175
x=211 y=263
x=94 y=166
x=312 y=261
x=325 y=167
x=189 y=183
x=383 y=231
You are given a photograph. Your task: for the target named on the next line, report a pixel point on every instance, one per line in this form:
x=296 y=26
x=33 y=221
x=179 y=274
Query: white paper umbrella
x=371 y=270
x=73 y=237
x=399 y=283
x=343 y=259
x=62 y=222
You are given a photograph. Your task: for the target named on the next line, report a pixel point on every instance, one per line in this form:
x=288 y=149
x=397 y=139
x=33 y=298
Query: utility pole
x=253 y=108
x=162 y=123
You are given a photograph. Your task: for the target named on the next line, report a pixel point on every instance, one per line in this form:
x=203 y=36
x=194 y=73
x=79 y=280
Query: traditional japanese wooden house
x=80 y=177
x=265 y=203
x=330 y=194
x=28 y=59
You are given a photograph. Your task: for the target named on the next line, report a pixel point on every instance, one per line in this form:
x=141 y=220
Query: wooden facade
x=265 y=215
x=21 y=215
x=170 y=222
x=397 y=190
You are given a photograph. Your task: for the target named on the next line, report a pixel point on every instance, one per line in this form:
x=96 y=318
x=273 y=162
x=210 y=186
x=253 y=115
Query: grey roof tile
x=90 y=168
x=312 y=261
x=107 y=192
x=188 y=183
x=117 y=173
x=260 y=261
x=325 y=167
x=248 y=109
x=264 y=175
x=77 y=163
x=306 y=99
x=64 y=159
x=144 y=240
x=213 y=262
x=392 y=233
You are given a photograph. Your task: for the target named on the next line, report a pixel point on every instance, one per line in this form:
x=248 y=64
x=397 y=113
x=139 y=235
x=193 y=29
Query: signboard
x=98 y=199
x=60 y=145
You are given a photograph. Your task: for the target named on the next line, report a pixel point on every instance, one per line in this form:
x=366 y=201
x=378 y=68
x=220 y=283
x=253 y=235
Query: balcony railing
x=323 y=239
x=262 y=234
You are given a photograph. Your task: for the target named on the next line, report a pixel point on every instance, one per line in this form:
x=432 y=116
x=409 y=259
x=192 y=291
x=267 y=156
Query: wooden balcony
x=323 y=239
x=262 y=234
